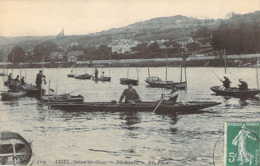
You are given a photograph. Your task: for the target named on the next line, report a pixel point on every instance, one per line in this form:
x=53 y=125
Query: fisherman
x=130 y=95
x=22 y=81
x=9 y=77
x=226 y=82
x=96 y=74
x=243 y=85
x=39 y=78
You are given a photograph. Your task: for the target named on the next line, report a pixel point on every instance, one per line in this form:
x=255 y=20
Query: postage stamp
x=242 y=144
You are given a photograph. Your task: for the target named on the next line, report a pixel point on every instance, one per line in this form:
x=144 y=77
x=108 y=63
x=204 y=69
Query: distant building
x=123 y=45
x=56 y=56
x=73 y=56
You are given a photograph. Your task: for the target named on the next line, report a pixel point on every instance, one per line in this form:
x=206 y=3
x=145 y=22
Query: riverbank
x=248 y=60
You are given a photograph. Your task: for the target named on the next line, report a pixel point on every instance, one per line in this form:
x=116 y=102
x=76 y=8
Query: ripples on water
x=180 y=140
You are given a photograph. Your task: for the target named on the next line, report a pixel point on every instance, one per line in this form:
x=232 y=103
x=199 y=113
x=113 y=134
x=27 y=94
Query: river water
x=127 y=138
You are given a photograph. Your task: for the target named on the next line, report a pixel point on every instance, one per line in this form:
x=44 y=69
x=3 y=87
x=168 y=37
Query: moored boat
x=235 y=92
x=127 y=81
x=14 y=149
x=83 y=76
x=12 y=94
x=165 y=107
x=70 y=75
x=156 y=82
x=32 y=90
x=103 y=79
x=62 y=98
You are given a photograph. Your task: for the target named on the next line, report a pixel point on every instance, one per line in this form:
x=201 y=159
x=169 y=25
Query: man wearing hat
x=39 y=79
x=226 y=82
x=130 y=95
x=243 y=85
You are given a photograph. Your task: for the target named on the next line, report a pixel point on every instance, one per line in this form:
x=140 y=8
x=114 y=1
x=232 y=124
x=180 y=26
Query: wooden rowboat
x=12 y=94
x=164 y=107
x=62 y=98
x=235 y=92
x=127 y=81
x=14 y=150
x=156 y=82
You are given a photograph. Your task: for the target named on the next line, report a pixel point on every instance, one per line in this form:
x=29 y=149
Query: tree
x=16 y=55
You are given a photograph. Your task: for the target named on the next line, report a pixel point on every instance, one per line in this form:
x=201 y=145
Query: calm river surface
x=112 y=138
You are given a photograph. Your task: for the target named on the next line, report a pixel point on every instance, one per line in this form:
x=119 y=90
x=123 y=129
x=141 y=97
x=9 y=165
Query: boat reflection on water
x=130 y=118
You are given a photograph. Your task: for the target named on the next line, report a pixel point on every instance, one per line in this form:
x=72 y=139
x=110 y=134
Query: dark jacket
x=129 y=95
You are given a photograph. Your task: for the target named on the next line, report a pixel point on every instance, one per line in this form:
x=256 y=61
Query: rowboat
x=235 y=92
x=156 y=82
x=83 y=76
x=62 y=98
x=32 y=90
x=103 y=79
x=165 y=107
x=70 y=75
x=12 y=94
x=2 y=74
x=127 y=81
x=14 y=150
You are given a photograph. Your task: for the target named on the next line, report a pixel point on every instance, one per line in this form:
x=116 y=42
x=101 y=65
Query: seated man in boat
x=22 y=81
x=130 y=95
x=243 y=85
x=226 y=82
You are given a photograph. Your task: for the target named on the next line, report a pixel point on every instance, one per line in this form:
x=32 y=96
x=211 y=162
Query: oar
x=157 y=106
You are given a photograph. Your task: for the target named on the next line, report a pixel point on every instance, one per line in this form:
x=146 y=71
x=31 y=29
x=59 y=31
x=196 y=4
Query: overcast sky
x=48 y=17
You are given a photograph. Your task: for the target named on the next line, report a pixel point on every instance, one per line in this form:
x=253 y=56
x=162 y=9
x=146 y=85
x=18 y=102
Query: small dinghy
x=14 y=150
x=165 y=107
x=103 y=79
x=12 y=94
x=156 y=82
x=70 y=75
x=83 y=76
x=235 y=92
x=127 y=81
x=64 y=98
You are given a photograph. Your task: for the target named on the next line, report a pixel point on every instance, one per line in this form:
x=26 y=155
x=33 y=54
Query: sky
x=48 y=17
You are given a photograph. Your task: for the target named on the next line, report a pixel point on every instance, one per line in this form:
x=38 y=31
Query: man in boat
x=226 y=82
x=96 y=74
x=22 y=81
x=39 y=78
x=130 y=95
x=243 y=85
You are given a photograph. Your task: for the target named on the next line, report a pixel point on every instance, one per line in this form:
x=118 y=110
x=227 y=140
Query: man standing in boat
x=39 y=78
x=226 y=82
x=130 y=95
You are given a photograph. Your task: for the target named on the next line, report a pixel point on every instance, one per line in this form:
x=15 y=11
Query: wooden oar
x=157 y=106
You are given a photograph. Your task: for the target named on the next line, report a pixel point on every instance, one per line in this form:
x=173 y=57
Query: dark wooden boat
x=156 y=82
x=70 y=75
x=12 y=94
x=62 y=98
x=165 y=107
x=2 y=74
x=127 y=81
x=83 y=76
x=32 y=90
x=103 y=79
x=14 y=150
x=235 y=92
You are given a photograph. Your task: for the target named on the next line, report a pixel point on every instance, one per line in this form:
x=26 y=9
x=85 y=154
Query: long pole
x=149 y=72
x=166 y=69
x=257 y=72
x=225 y=61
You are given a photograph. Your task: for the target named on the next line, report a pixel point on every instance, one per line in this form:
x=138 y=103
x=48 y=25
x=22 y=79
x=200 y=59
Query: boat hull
x=138 y=107
x=83 y=77
x=11 y=95
x=167 y=84
x=62 y=99
x=103 y=79
x=127 y=81
x=235 y=92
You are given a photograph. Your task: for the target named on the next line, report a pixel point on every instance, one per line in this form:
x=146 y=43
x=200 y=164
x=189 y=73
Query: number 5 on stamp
x=242 y=144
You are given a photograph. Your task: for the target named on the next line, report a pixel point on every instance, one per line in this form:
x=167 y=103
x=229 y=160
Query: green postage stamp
x=242 y=144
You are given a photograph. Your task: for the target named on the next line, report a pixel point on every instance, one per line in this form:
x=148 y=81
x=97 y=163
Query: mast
x=225 y=60
x=257 y=72
x=166 y=66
